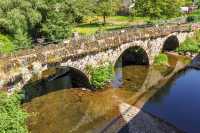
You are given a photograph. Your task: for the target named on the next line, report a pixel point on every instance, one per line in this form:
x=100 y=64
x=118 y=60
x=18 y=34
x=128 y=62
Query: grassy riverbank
x=12 y=116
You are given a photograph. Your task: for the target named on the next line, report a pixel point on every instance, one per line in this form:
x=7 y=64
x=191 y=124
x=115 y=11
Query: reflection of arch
x=56 y=79
x=171 y=43
x=77 y=77
x=134 y=55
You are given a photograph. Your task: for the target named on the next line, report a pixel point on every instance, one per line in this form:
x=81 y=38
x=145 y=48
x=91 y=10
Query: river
x=153 y=89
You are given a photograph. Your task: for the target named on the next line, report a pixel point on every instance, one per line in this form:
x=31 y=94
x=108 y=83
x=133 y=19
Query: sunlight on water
x=76 y=110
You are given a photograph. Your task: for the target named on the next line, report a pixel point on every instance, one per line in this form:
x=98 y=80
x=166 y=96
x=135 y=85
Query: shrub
x=190 y=18
x=22 y=41
x=150 y=22
x=12 y=116
x=193 y=18
x=161 y=59
x=191 y=45
x=101 y=75
x=6 y=45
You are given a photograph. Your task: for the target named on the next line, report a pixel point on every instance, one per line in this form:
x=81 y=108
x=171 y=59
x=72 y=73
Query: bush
x=22 y=41
x=150 y=22
x=193 y=18
x=12 y=117
x=101 y=75
x=161 y=59
x=191 y=45
x=190 y=18
x=6 y=45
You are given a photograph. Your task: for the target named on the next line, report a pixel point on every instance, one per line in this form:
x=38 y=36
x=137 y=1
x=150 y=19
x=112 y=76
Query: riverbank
x=195 y=63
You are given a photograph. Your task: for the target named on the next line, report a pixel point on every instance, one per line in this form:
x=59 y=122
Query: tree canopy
x=158 y=8
x=23 y=21
x=107 y=8
x=26 y=20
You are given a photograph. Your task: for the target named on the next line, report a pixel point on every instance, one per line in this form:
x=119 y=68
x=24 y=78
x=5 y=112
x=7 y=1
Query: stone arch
x=78 y=78
x=133 y=55
x=171 y=43
x=56 y=78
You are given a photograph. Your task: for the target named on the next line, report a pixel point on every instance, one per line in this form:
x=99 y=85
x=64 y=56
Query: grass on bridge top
x=94 y=24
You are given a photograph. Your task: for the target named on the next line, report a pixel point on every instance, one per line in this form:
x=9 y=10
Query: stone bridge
x=17 y=69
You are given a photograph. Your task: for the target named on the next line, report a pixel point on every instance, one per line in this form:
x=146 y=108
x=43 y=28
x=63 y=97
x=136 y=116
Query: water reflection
x=55 y=79
x=178 y=101
x=133 y=76
x=75 y=110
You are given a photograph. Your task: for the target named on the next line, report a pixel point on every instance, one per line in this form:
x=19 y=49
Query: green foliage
x=101 y=75
x=191 y=45
x=191 y=18
x=107 y=8
x=158 y=8
x=22 y=41
x=161 y=59
x=194 y=17
x=13 y=118
x=6 y=46
x=56 y=27
x=18 y=18
x=26 y=20
x=197 y=2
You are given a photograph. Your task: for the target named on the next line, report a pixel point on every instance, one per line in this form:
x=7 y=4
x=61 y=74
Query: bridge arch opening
x=54 y=79
x=171 y=43
x=135 y=61
x=133 y=56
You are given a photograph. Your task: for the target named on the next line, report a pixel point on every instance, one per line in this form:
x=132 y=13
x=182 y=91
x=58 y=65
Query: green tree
x=26 y=20
x=107 y=8
x=62 y=15
x=158 y=8
x=23 y=21
x=18 y=18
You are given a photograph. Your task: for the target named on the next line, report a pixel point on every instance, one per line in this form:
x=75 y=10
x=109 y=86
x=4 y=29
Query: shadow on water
x=122 y=104
x=55 y=79
x=137 y=117
x=176 y=103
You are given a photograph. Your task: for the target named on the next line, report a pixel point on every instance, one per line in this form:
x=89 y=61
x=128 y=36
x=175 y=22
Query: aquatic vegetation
x=161 y=59
x=100 y=76
x=12 y=116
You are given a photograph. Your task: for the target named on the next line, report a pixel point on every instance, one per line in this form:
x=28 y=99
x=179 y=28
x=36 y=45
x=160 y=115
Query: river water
x=150 y=88
x=178 y=101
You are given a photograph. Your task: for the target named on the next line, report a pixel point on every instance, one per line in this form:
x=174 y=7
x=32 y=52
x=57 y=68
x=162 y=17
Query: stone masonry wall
x=16 y=70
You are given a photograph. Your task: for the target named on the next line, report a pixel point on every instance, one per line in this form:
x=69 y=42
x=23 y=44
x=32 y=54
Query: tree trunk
x=104 y=19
